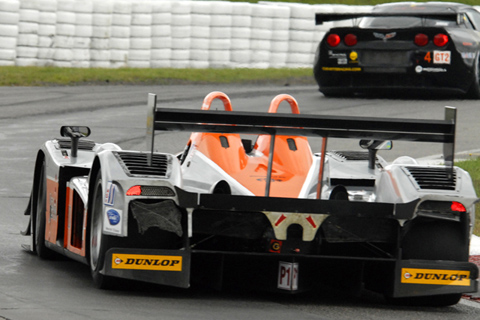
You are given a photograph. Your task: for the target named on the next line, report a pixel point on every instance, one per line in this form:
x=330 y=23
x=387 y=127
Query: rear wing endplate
x=320 y=18
x=437 y=131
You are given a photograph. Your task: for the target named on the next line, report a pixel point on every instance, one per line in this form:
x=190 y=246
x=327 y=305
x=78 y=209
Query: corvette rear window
x=404 y=22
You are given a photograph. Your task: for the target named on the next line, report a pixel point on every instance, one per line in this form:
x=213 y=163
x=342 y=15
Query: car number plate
x=384 y=58
x=441 y=57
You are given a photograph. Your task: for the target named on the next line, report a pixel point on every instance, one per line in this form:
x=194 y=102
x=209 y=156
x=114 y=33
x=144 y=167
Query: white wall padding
x=181 y=34
x=162 y=33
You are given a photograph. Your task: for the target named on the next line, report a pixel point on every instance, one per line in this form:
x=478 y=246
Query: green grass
x=48 y=76
x=473 y=167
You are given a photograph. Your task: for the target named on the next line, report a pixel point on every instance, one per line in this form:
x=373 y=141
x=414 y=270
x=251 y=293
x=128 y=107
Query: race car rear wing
x=320 y=18
x=437 y=131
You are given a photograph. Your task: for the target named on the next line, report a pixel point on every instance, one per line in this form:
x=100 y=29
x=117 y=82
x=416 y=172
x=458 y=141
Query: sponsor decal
x=468 y=55
x=288 y=276
x=146 y=262
x=111 y=221
x=340 y=56
x=275 y=246
x=353 y=55
x=384 y=36
x=420 y=69
x=441 y=57
x=436 y=277
x=113 y=217
x=336 y=55
x=53 y=207
x=110 y=194
x=353 y=69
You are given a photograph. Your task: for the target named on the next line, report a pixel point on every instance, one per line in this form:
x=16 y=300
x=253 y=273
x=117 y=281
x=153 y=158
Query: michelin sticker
x=420 y=69
x=112 y=219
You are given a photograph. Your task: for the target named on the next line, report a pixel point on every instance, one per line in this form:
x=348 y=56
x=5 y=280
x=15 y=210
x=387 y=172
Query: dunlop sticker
x=436 y=277
x=146 y=262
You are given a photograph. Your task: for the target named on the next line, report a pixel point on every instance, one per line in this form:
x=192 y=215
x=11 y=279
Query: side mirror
x=376 y=144
x=75 y=133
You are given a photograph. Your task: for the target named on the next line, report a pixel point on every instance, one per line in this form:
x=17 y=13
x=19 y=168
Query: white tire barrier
x=28 y=40
x=161 y=33
x=27 y=52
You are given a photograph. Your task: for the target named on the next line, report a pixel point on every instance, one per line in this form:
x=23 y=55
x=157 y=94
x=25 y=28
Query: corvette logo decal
x=385 y=36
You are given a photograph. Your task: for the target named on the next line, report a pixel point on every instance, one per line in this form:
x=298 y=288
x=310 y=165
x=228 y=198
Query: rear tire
x=39 y=228
x=434 y=240
x=99 y=243
x=474 y=91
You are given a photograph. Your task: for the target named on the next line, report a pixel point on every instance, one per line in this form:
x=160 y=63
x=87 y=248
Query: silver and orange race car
x=247 y=203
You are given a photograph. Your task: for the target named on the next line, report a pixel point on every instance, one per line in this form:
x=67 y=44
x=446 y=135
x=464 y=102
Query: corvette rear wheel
x=40 y=217
x=474 y=91
x=434 y=240
x=99 y=243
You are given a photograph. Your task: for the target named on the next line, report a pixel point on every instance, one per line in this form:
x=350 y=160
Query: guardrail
x=161 y=33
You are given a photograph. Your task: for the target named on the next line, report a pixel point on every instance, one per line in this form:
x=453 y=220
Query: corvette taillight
x=440 y=40
x=350 y=39
x=333 y=40
x=421 y=39
x=457 y=206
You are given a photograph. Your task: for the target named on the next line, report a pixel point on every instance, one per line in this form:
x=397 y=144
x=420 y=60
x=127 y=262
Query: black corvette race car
x=401 y=47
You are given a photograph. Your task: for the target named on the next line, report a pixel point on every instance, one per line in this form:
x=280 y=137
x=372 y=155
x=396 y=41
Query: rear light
x=152 y=191
x=333 y=40
x=421 y=39
x=134 y=191
x=350 y=40
x=440 y=40
x=457 y=206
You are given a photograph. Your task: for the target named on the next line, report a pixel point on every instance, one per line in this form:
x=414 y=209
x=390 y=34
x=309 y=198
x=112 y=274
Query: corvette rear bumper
x=378 y=83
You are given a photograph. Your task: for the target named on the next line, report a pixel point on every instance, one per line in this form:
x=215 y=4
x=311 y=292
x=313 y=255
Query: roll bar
x=437 y=131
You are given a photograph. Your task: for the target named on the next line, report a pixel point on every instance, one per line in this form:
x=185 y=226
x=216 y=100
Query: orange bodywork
x=292 y=157
x=76 y=220
x=51 y=225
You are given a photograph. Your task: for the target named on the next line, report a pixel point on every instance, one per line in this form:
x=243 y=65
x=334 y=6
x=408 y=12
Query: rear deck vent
x=135 y=164
x=83 y=144
x=350 y=155
x=433 y=178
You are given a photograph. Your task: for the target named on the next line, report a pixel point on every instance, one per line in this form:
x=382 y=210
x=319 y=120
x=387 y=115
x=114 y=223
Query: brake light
x=134 y=191
x=350 y=40
x=150 y=191
x=440 y=40
x=333 y=40
x=421 y=40
x=457 y=206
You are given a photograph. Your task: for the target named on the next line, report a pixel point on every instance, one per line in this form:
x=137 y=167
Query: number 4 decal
x=428 y=57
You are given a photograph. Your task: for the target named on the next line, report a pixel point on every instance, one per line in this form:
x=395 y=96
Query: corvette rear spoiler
x=420 y=130
x=320 y=18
